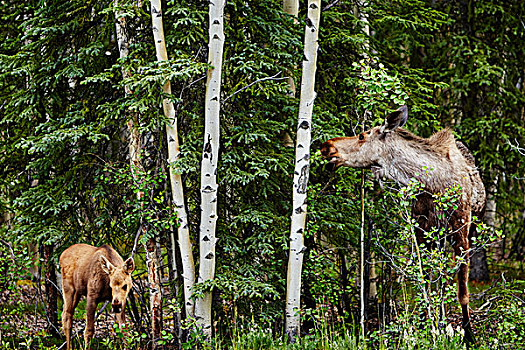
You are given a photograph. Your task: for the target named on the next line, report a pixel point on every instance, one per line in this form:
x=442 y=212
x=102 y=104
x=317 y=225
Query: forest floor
x=23 y=322
x=23 y=319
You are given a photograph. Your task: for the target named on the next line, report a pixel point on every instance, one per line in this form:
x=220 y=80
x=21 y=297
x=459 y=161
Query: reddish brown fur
x=394 y=153
x=99 y=274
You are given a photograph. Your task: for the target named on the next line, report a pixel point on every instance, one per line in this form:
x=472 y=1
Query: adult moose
x=395 y=153
x=100 y=274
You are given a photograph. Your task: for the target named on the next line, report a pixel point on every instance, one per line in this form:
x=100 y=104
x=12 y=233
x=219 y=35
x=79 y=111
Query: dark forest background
x=65 y=176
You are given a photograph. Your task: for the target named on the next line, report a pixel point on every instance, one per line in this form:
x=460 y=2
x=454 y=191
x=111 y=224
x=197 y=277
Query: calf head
x=366 y=149
x=119 y=281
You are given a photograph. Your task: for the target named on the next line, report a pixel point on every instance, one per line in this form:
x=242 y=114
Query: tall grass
x=404 y=338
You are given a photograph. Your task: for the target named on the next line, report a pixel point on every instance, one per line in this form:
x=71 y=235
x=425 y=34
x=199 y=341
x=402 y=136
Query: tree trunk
x=210 y=154
x=135 y=146
x=301 y=173
x=188 y=266
x=155 y=292
x=50 y=287
x=290 y=7
x=479 y=269
x=362 y=277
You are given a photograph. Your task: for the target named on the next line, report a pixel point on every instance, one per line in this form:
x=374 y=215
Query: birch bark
x=302 y=172
x=188 y=266
x=135 y=146
x=210 y=154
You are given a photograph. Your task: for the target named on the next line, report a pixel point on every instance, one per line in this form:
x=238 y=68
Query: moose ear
x=395 y=119
x=129 y=265
x=107 y=267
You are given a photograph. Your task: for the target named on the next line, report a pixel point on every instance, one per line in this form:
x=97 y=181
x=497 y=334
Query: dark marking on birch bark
x=209 y=256
x=304 y=125
x=313 y=6
x=207 y=146
x=171 y=139
x=216 y=22
x=303 y=179
x=304 y=58
x=303 y=249
x=216 y=37
x=206 y=239
x=156 y=12
x=299 y=210
x=309 y=22
x=300 y=146
x=208 y=189
x=215 y=99
x=300 y=231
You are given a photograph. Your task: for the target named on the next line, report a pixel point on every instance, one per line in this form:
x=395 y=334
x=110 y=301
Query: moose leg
x=461 y=247
x=71 y=299
x=91 y=307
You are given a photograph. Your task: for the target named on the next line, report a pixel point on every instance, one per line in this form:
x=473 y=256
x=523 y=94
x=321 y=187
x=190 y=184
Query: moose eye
x=125 y=287
x=361 y=137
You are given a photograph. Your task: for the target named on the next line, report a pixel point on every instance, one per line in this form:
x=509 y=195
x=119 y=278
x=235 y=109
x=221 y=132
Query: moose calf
x=100 y=274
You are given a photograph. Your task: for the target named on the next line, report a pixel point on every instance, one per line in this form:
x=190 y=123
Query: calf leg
x=71 y=299
x=91 y=308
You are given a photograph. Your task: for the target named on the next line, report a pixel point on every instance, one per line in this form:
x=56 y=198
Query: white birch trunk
x=188 y=266
x=210 y=153
x=301 y=173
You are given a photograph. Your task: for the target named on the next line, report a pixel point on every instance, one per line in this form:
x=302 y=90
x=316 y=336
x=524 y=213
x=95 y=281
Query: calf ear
x=395 y=119
x=129 y=265
x=107 y=267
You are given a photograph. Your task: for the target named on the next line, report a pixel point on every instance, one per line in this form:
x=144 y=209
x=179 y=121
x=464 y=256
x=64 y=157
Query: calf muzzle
x=117 y=307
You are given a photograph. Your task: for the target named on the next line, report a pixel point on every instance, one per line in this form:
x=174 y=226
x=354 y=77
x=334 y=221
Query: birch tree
x=210 y=153
x=302 y=171
x=188 y=266
x=137 y=169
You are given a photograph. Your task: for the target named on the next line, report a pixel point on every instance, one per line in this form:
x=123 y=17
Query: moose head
x=119 y=281
x=366 y=150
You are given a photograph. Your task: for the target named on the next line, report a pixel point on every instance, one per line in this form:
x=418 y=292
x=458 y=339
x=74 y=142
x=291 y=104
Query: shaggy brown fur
x=397 y=154
x=100 y=274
